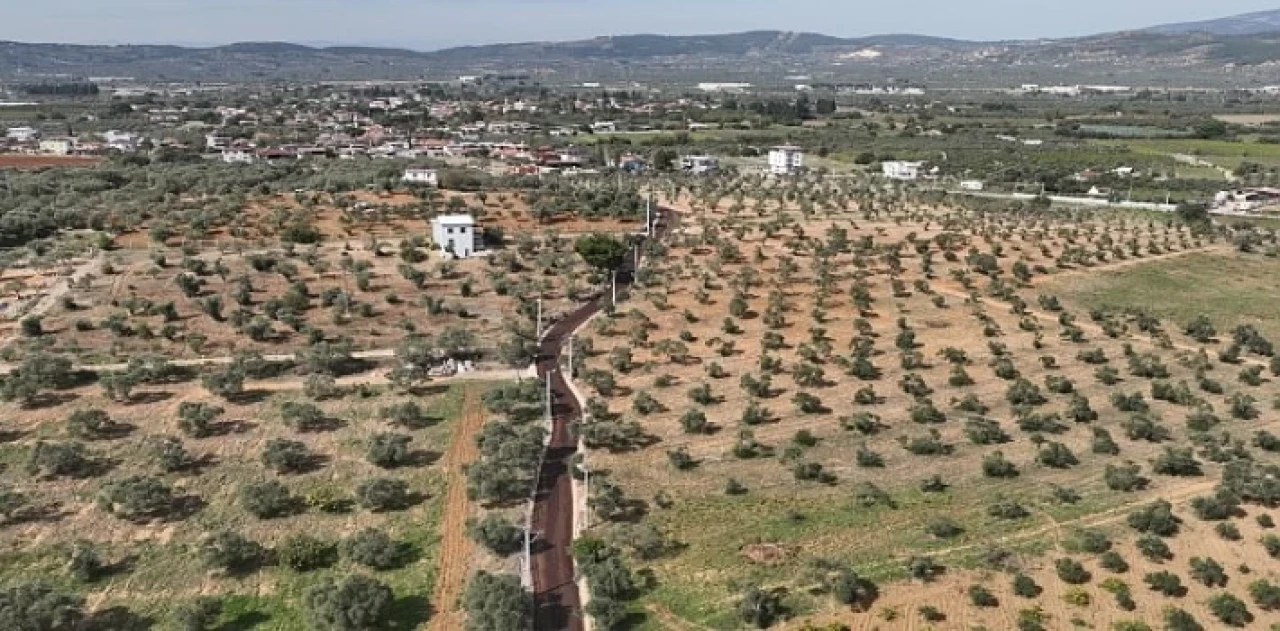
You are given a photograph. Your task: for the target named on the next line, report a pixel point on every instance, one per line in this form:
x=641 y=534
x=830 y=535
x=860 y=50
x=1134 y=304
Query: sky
x=434 y=24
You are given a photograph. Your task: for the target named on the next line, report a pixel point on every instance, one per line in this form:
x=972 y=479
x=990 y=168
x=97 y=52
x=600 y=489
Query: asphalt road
x=555 y=592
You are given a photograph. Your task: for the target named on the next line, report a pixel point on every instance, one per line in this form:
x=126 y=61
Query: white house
x=785 y=160
x=455 y=234
x=901 y=170
x=122 y=140
x=238 y=156
x=57 y=146
x=22 y=134
x=214 y=142
x=426 y=177
x=699 y=165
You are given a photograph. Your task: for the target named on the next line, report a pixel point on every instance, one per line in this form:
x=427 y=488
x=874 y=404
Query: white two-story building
x=455 y=234
x=785 y=160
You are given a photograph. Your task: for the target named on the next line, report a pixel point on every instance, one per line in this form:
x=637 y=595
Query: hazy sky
x=430 y=24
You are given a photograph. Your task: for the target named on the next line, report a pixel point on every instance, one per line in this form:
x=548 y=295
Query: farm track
x=456 y=549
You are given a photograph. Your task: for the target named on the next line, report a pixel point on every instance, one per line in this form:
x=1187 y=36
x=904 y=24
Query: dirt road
x=456 y=548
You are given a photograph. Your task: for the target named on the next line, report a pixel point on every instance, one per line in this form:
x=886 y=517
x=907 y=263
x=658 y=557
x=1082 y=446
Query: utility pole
x=586 y=492
x=539 y=318
x=547 y=397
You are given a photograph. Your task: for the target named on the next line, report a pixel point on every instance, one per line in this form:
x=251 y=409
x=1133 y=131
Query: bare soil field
x=861 y=390
x=28 y=162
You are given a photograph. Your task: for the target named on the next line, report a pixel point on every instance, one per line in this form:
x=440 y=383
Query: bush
x=136 y=498
x=375 y=549
x=1165 y=582
x=1265 y=595
x=1230 y=610
x=52 y=460
x=1025 y=586
x=198 y=614
x=287 y=456
x=389 y=450
x=383 y=494
x=304 y=553
x=1179 y=620
x=497 y=602
x=1125 y=477
x=1208 y=572
x=1111 y=560
x=267 y=500
x=1071 y=571
x=980 y=596
x=943 y=528
x=994 y=465
x=497 y=534
x=303 y=417
x=35 y=607
x=352 y=604
x=195 y=419
x=231 y=552
x=759 y=607
x=1154 y=548
x=1156 y=518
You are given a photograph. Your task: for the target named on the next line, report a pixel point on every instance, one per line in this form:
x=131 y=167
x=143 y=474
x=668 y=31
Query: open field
x=1231 y=289
x=784 y=386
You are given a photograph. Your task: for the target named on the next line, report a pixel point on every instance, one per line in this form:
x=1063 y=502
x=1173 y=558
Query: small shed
x=455 y=234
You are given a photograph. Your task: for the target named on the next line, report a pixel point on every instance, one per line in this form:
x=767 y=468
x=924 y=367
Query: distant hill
x=1246 y=24
x=1192 y=53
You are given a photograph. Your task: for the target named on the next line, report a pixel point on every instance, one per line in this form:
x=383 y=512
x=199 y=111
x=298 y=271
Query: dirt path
x=456 y=549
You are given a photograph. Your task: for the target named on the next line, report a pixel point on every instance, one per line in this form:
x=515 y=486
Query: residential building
x=238 y=156
x=214 y=142
x=122 y=140
x=23 y=134
x=455 y=234
x=972 y=185
x=57 y=146
x=785 y=160
x=699 y=165
x=426 y=177
x=901 y=170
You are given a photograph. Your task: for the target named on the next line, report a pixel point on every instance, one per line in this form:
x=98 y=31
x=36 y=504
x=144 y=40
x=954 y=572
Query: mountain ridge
x=1199 y=47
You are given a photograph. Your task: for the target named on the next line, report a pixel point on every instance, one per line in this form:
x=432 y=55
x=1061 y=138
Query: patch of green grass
x=1231 y=289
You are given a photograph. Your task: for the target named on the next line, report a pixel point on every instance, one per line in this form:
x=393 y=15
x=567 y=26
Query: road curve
x=555 y=591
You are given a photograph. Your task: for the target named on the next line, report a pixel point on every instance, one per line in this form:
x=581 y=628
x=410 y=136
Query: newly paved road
x=555 y=592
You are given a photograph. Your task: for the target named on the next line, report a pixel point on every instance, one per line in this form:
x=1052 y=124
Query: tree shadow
x=409 y=612
x=247 y=621
x=224 y=428
x=148 y=397
x=117 y=619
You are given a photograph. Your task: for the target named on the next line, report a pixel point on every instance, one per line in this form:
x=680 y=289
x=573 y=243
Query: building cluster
x=31 y=140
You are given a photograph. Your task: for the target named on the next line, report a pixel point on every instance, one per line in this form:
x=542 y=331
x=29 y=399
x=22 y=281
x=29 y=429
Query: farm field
x=158 y=560
x=1219 y=152
x=881 y=416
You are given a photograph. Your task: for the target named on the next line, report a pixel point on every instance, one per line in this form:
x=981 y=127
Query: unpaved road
x=456 y=548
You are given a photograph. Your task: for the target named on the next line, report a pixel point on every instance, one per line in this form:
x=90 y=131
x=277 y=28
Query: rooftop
x=455 y=219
